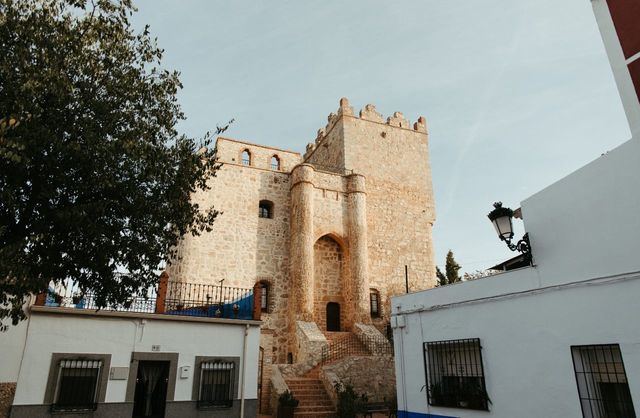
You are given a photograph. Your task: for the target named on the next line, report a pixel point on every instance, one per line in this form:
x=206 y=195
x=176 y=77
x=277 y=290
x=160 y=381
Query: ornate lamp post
x=502 y=219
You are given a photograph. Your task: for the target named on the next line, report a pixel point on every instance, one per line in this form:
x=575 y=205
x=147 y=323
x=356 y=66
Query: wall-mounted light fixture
x=502 y=219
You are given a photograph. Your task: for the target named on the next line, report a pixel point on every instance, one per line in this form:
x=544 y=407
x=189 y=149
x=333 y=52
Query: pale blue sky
x=517 y=94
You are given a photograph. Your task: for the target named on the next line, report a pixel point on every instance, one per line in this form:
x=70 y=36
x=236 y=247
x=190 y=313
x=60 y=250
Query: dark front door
x=151 y=389
x=333 y=316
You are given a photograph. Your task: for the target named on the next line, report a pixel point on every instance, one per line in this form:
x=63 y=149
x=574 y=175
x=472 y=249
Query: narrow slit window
x=275 y=163
x=264 y=297
x=246 y=157
x=374 y=299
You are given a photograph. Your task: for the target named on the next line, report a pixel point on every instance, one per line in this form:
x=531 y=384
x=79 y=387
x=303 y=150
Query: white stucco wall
x=525 y=347
x=11 y=346
x=587 y=224
x=120 y=337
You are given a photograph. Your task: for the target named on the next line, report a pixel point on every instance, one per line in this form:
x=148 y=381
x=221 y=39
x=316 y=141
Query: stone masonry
x=347 y=216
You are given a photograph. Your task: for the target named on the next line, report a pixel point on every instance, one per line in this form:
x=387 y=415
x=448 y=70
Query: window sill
x=214 y=407
x=61 y=411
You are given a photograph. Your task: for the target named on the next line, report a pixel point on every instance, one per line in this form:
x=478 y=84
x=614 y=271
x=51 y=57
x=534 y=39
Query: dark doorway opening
x=151 y=389
x=333 y=316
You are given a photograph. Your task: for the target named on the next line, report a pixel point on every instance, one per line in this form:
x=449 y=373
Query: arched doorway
x=333 y=316
x=328 y=293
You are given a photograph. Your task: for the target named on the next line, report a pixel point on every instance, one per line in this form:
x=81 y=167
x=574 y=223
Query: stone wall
x=310 y=342
x=7 y=391
x=366 y=183
x=393 y=156
x=328 y=260
x=372 y=376
x=242 y=248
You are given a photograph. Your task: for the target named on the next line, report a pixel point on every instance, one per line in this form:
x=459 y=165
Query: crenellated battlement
x=368 y=113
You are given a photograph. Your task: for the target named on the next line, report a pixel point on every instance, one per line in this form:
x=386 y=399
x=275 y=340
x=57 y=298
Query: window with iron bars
x=455 y=375
x=77 y=385
x=374 y=302
x=264 y=297
x=216 y=384
x=602 y=381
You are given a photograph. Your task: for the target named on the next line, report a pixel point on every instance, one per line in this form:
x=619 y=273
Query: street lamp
x=502 y=219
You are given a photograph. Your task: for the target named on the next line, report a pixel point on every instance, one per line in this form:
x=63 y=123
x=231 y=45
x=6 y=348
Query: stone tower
x=326 y=232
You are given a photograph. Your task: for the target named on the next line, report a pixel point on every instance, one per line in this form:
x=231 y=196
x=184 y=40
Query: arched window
x=246 y=157
x=275 y=163
x=265 y=209
x=264 y=296
x=374 y=299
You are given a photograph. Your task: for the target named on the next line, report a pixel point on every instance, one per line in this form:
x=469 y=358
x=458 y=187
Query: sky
x=517 y=94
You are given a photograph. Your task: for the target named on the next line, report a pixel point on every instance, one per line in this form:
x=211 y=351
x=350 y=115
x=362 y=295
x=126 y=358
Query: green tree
x=451 y=274
x=95 y=181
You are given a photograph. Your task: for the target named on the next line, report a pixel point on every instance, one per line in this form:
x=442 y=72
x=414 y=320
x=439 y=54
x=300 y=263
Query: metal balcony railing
x=167 y=298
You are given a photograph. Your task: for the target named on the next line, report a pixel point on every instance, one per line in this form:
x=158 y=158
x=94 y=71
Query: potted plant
x=287 y=403
x=54 y=298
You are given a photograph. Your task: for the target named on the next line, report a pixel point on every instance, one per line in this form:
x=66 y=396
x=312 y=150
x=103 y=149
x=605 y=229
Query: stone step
x=331 y=414
x=311 y=396
x=312 y=386
x=315 y=402
x=321 y=408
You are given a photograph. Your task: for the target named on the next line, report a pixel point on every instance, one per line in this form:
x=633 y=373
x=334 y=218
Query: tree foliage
x=95 y=181
x=451 y=274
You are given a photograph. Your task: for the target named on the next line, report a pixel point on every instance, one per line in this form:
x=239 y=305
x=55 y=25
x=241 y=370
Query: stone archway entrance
x=333 y=316
x=329 y=273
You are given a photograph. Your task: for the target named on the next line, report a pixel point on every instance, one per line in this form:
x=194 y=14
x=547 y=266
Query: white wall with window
x=557 y=339
x=76 y=361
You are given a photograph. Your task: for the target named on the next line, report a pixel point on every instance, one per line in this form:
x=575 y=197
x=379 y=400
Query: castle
x=325 y=235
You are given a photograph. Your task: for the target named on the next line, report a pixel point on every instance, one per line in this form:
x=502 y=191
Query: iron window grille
x=216 y=384
x=374 y=301
x=455 y=375
x=265 y=209
x=602 y=381
x=264 y=297
x=77 y=385
x=246 y=158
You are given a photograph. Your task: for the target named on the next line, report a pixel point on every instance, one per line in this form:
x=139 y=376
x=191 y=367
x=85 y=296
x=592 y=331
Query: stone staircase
x=309 y=390
x=342 y=344
x=314 y=401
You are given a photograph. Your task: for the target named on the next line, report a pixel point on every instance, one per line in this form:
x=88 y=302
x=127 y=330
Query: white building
x=559 y=338
x=185 y=360
x=534 y=323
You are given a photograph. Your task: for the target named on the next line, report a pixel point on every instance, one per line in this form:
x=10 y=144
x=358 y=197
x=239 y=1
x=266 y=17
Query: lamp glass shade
x=504 y=227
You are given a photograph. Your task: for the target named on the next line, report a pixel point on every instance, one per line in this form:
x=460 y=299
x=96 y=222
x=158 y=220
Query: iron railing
x=455 y=374
x=350 y=345
x=602 y=381
x=197 y=299
x=168 y=297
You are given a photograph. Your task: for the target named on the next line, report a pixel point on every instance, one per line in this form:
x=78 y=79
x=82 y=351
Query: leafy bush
x=349 y=402
x=287 y=399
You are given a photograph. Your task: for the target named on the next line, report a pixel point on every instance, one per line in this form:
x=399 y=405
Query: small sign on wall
x=119 y=373
x=155 y=348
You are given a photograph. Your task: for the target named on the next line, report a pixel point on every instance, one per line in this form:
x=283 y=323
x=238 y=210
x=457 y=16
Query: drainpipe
x=244 y=368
